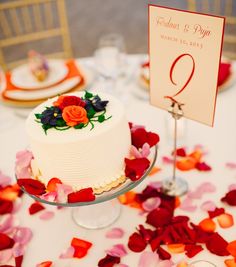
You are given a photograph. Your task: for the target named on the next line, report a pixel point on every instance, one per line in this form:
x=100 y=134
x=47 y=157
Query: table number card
x=185 y=51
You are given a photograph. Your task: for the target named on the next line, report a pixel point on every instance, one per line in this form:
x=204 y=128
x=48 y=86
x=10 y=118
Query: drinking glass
x=110 y=60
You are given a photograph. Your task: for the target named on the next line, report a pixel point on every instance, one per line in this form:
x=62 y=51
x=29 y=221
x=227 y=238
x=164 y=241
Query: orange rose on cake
x=74 y=115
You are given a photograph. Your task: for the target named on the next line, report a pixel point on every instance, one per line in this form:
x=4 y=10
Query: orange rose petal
x=182 y=264
x=136 y=205
x=52 y=184
x=10 y=193
x=186 y=164
x=177 y=202
x=197 y=155
x=208 y=225
x=225 y=220
x=127 y=198
x=154 y=170
x=76 y=242
x=80 y=252
x=176 y=248
x=45 y=264
x=232 y=248
x=230 y=263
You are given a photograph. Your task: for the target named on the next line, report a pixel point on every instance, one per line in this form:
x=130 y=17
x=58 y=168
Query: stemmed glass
x=110 y=60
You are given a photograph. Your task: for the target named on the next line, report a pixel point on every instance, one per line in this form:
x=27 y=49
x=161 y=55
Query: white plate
x=23 y=78
x=45 y=93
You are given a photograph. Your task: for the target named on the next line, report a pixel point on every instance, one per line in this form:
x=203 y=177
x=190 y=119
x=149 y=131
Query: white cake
x=81 y=157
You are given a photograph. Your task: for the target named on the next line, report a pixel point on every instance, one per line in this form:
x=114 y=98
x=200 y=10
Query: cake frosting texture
x=81 y=157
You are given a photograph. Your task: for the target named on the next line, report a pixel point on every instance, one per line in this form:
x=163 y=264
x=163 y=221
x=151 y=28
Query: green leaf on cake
x=88 y=95
x=46 y=127
x=38 y=116
x=79 y=126
x=61 y=123
x=91 y=112
x=101 y=118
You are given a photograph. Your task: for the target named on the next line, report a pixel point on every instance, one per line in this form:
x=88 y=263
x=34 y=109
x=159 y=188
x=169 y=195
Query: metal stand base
x=177 y=187
x=97 y=216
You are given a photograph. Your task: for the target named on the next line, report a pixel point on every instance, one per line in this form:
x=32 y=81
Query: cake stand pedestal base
x=174 y=187
x=98 y=215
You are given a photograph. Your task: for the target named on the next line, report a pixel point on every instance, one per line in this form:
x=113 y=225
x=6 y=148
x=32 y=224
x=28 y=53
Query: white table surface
x=51 y=237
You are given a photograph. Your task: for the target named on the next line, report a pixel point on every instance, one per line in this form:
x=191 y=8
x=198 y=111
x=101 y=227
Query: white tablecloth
x=51 y=237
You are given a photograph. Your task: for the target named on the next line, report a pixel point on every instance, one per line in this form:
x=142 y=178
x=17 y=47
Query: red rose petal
x=140 y=136
x=202 y=166
x=35 y=207
x=192 y=250
x=217 y=245
x=108 y=261
x=45 y=264
x=76 y=242
x=230 y=198
x=216 y=212
x=18 y=261
x=6 y=206
x=6 y=242
x=80 y=252
x=52 y=184
x=152 y=139
x=163 y=254
x=136 y=243
x=83 y=195
x=180 y=152
x=159 y=217
x=232 y=248
x=135 y=168
x=32 y=186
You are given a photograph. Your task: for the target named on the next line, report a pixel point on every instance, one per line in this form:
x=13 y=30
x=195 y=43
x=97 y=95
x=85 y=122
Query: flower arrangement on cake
x=73 y=111
x=56 y=191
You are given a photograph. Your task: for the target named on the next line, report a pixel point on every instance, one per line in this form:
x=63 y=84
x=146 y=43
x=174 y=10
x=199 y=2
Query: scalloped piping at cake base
x=108 y=187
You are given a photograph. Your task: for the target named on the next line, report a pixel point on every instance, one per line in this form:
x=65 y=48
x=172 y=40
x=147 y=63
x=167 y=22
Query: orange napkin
x=224 y=72
x=73 y=71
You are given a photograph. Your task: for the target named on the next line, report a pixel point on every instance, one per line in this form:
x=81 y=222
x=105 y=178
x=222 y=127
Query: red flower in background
x=65 y=101
x=108 y=261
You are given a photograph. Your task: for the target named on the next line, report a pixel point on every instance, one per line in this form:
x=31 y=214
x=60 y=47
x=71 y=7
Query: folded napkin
x=224 y=72
x=73 y=71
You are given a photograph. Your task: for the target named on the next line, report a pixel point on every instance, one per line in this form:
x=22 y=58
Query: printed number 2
x=189 y=78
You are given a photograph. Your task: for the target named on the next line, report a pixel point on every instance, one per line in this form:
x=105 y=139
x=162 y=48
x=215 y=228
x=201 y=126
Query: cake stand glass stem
x=175 y=147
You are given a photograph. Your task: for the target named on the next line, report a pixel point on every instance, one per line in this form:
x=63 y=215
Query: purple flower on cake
x=51 y=115
x=96 y=103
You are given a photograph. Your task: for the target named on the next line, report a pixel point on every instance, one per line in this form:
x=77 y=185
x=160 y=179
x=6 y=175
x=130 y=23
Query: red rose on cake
x=65 y=101
x=74 y=115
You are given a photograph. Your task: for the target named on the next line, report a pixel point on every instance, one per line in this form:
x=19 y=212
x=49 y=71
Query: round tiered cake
x=81 y=139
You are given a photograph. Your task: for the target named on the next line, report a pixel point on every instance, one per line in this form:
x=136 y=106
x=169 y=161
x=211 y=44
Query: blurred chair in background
x=28 y=24
x=225 y=8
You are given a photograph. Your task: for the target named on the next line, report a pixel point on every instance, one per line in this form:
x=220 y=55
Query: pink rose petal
x=232 y=187
x=18 y=250
x=4 y=179
x=149 y=259
x=167 y=160
x=151 y=203
x=23 y=235
x=187 y=205
x=197 y=194
x=50 y=196
x=6 y=223
x=121 y=265
x=155 y=185
x=67 y=254
x=208 y=206
x=117 y=251
x=165 y=263
x=23 y=160
x=115 y=233
x=5 y=255
x=231 y=165
x=146 y=150
x=62 y=192
x=134 y=152
x=46 y=215
x=207 y=187
x=17 y=205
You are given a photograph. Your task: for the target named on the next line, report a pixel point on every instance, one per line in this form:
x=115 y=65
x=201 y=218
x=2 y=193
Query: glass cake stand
x=105 y=209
